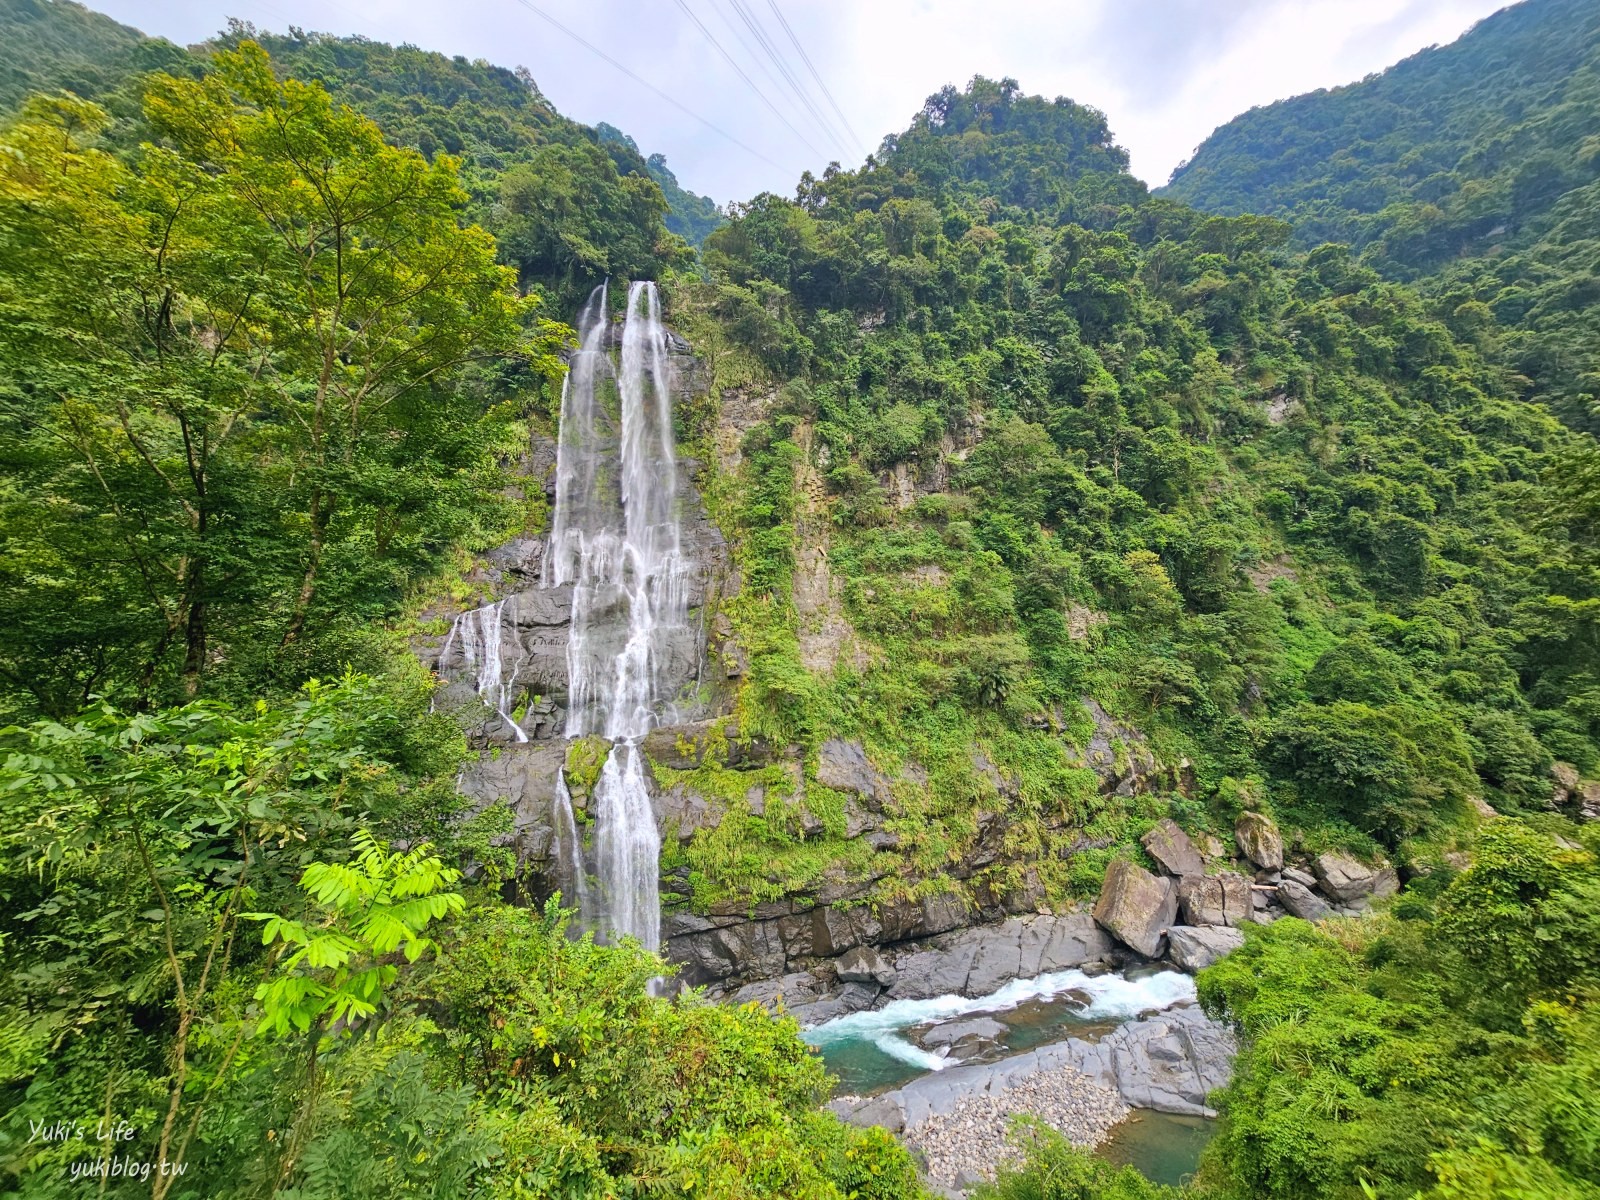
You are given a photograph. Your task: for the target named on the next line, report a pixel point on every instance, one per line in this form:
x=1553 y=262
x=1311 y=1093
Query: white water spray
x=616 y=540
x=474 y=637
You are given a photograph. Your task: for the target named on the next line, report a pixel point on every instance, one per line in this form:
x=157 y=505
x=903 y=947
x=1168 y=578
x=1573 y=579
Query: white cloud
x=1166 y=72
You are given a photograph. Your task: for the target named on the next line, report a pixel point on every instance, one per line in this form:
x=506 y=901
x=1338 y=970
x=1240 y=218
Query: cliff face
x=503 y=666
x=834 y=801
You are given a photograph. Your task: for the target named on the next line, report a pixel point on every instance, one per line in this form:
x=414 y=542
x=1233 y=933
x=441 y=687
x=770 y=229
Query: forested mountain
x=1055 y=510
x=1473 y=167
x=689 y=216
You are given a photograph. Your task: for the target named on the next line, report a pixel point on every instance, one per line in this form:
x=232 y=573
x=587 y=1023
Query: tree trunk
x=321 y=513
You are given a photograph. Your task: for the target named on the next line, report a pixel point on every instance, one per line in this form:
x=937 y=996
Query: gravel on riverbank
x=971 y=1139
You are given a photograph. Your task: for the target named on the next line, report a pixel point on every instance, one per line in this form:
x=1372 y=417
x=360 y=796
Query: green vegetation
x=1058 y=438
x=689 y=216
x=1473 y=167
x=993 y=431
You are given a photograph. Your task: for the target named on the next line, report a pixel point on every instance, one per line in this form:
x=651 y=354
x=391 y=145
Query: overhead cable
x=728 y=58
x=642 y=82
x=806 y=58
x=779 y=61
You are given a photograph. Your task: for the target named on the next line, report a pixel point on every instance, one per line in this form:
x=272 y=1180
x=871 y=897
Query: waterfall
x=475 y=637
x=567 y=851
x=616 y=540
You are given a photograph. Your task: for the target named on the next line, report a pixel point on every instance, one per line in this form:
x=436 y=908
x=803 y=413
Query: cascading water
x=475 y=639
x=616 y=540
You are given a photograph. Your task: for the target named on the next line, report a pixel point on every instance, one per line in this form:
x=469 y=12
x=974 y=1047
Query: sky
x=1166 y=72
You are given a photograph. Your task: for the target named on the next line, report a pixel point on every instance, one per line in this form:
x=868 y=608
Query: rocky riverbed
x=958 y=1118
x=973 y=1138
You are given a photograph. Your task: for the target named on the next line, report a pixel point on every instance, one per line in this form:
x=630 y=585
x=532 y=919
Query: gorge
x=973 y=637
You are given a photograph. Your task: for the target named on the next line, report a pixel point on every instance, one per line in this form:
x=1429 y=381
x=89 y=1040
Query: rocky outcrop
x=1170 y=1061
x=972 y=961
x=1259 y=840
x=1196 y=947
x=1136 y=907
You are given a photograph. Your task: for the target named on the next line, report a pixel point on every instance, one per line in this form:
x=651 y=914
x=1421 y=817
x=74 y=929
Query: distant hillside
x=56 y=44
x=689 y=216
x=1477 y=163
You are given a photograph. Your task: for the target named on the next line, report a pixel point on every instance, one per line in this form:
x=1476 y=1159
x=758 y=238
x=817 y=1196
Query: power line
x=806 y=58
x=728 y=58
x=642 y=82
x=760 y=34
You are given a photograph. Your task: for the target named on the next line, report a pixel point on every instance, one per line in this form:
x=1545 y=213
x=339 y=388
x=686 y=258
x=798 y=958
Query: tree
x=221 y=358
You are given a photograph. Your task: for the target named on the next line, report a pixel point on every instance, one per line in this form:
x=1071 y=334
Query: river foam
x=1111 y=997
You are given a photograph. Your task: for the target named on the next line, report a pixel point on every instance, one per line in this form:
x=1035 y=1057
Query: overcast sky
x=1165 y=71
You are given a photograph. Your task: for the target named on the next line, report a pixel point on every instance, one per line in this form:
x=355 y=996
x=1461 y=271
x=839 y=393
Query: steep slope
x=1014 y=434
x=1474 y=166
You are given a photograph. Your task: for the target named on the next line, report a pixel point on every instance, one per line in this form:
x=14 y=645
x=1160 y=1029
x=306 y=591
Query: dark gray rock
x=1196 y=947
x=1136 y=908
x=1301 y=901
x=843 y=766
x=1303 y=878
x=865 y=964
x=1171 y=847
x=985 y=1029
x=982 y=959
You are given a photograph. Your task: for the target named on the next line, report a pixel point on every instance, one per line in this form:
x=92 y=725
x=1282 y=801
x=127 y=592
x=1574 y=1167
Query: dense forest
x=1473 y=169
x=1287 y=468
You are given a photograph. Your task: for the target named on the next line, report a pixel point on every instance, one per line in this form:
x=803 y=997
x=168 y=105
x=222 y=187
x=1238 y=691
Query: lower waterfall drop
x=617 y=541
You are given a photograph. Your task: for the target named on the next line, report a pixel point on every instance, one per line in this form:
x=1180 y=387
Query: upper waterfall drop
x=616 y=540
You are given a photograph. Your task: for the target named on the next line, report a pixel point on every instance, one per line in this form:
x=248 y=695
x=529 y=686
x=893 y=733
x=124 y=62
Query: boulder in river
x=982 y=959
x=1196 y=947
x=1136 y=907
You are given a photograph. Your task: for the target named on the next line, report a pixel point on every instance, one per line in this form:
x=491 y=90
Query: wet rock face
x=972 y=961
x=522 y=777
x=1136 y=907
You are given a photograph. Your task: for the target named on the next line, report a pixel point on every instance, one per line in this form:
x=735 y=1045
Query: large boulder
x=1301 y=901
x=1196 y=947
x=865 y=964
x=1220 y=899
x=984 y=958
x=1259 y=840
x=1171 y=847
x=1348 y=879
x=1136 y=908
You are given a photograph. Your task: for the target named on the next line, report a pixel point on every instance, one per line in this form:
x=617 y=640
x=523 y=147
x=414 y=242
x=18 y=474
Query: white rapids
x=1110 y=996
